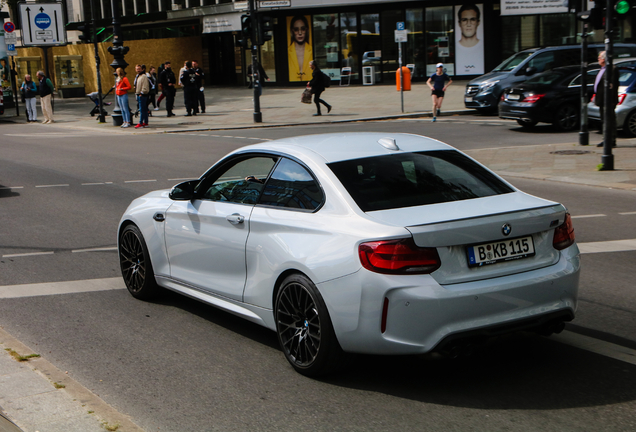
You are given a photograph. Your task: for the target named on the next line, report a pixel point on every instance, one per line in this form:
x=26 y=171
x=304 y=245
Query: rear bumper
x=422 y=314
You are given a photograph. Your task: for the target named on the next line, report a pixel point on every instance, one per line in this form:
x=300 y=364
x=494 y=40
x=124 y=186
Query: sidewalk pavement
x=30 y=391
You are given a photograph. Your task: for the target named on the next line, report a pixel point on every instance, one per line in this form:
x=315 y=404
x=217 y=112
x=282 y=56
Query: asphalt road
x=178 y=365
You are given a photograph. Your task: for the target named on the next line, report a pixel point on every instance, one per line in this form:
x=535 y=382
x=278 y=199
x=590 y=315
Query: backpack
x=151 y=80
x=326 y=80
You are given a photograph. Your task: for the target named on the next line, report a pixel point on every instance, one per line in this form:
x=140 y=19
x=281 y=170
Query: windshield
x=513 y=61
x=415 y=179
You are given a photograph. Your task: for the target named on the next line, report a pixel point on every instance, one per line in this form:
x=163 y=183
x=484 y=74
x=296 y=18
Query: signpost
x=401 y=35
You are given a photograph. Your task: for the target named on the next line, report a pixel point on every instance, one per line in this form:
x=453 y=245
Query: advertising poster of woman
x=469 y=40
x=299 y=53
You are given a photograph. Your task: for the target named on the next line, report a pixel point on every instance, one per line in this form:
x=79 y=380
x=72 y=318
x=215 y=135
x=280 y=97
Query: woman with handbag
x=29 y=91
x=317 y=85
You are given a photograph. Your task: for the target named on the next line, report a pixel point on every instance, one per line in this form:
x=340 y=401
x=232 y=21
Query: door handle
x=235 y=218
x=159 y=217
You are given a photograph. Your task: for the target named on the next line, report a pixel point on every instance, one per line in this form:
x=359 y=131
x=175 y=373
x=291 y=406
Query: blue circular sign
x=42 y=20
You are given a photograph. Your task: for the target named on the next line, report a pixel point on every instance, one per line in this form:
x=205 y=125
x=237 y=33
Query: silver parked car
x=357 y=243
x=626 y=107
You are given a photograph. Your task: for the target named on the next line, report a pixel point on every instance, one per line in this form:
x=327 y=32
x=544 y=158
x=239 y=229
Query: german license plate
x=513 y=97
x=468 y=99
x=505 y=250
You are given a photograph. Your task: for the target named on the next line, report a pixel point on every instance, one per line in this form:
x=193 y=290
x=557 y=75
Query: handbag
x=306 y=97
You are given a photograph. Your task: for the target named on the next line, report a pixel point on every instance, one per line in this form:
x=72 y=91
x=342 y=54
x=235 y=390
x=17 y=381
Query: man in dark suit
x=599 y=99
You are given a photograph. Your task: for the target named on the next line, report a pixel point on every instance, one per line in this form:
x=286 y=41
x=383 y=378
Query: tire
x=629 y=127
x=304 y=329
x=135 y=264
x=527 y=124
x=566 y=118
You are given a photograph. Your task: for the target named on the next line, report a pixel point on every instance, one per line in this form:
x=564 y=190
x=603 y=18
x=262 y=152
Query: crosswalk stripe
x=69 y=287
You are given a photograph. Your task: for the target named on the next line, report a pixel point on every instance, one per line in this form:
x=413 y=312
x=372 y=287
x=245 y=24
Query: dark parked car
x=549 y=97
x=483 y=93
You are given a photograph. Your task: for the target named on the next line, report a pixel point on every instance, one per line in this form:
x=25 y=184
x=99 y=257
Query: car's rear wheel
x=566 y=118
x=304 y=328
x=135 y=264
x=527 y=123
x=629 y=127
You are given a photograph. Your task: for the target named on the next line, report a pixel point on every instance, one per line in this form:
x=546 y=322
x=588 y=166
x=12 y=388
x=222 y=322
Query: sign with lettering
x=533 y=7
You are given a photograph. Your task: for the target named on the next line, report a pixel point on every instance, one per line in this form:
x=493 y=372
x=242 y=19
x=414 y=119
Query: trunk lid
x=453 y=227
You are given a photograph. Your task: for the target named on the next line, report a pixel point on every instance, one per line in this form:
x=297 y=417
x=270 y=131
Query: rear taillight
x=503 y=97
x=564 y=234
x=621 y=98
x=398 y=257
x=593 y=97
x=532 y=98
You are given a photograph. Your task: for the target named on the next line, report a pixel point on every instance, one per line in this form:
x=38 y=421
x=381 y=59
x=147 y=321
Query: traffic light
x=246 y=31
x=264 y=29
x=622 y=8
x=86 y=35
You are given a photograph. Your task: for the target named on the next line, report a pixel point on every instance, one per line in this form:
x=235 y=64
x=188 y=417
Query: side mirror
x=531 y=70
x=183 y=191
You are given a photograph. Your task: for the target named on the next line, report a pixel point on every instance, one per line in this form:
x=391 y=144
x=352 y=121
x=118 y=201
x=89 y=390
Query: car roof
x=336 y=147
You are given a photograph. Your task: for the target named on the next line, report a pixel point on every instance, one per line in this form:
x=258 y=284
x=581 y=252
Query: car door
x=206 y=236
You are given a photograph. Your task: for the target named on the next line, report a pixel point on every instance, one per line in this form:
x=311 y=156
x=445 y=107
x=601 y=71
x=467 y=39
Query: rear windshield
x=414 y=179
x=513 y=61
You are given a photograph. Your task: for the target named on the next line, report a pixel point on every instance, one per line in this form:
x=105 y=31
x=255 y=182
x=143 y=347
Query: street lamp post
x=118 y=50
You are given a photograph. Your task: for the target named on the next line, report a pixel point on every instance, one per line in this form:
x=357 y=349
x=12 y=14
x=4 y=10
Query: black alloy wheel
x=629 y=127
x=527 y=123
x=566 y=118
x=135 y=264
x=304 y=329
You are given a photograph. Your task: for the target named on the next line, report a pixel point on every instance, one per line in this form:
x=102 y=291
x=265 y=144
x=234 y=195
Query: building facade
x=352 y=40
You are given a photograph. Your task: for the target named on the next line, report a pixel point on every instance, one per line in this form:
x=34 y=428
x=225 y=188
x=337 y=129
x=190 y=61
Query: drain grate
x=570 y=152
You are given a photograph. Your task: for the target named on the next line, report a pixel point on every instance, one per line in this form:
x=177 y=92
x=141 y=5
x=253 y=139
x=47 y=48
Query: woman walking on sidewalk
x=317 y=85
x=122 y=85
x=438 y=87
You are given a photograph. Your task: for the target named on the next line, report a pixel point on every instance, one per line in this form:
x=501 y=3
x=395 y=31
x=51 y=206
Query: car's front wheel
x=629 y=127
x=304 y=328
x=566 y=118
x=135 y=264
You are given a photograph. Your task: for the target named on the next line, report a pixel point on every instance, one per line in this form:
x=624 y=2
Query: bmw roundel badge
x=506 y=229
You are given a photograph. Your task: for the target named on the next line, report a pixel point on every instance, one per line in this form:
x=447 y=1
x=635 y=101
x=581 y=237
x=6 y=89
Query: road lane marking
x=627 y=213
x=588 y=216
x=54 y=288
x=597 y=346
x=608 y=246
x=139 y=181
x=27 y=254
x=98 y=249
x=182 y=179
x=50 y=186
x=11 y=187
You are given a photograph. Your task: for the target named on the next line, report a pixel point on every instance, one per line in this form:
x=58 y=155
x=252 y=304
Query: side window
x=567 y=57
x=543 y=61
x=292 y=186
x=243 y=182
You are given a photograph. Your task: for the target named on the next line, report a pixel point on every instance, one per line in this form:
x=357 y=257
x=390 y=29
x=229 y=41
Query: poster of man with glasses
x=469 y=44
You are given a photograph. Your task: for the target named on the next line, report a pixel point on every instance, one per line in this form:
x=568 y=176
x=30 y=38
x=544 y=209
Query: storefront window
x=440 y=24
x=268 y=59
x=326 y=46
x=5 y=78
x=414 y=51
x=371 y=44
x=349 y=41
x=28 y=66
x=390 y=50
x=557 y=29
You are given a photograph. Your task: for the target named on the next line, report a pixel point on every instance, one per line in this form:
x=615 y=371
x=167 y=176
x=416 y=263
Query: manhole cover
x=570 y=152
x=189 y=123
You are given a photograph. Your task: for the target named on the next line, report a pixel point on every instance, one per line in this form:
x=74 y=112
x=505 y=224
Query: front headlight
x=487 y=88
